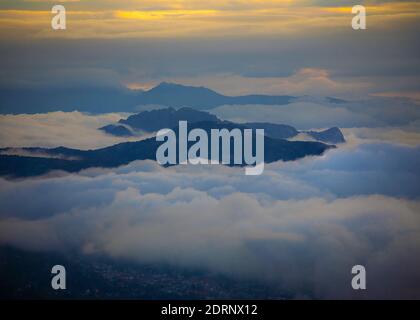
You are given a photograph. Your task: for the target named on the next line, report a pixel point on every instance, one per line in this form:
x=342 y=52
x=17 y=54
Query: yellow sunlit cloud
x=140 y=86
x=188 y=18
x=161 y=14
x=393 y=8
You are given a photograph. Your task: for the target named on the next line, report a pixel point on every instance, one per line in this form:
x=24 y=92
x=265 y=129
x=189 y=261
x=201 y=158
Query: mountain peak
x=331 y=135
x=165 y=84
x=177 y=86
x=201 y=98
x=155 y=120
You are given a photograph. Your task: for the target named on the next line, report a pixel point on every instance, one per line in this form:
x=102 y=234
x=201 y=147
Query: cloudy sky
x=283 y=47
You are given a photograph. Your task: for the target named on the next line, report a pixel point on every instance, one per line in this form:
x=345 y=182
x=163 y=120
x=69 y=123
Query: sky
x=235 y=47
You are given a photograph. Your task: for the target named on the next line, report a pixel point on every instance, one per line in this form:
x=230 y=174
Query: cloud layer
x=307 y=113
x=54 y=129
x=133 y=19
x=301 y=226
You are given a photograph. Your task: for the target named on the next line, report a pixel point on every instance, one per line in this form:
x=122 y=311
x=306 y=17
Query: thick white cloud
x=279 y=241
x=302 y=115
x=69 y=129
x=307 y=113
x=300 y=226
x=399 y=135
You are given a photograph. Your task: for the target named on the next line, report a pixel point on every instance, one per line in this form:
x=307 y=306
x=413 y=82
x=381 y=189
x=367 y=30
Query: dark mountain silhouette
x=117 y=130
x=74 y=160
x=106 y=99
x=332 y=135
x=276 y=131
x=176 y=95
x=153 y=121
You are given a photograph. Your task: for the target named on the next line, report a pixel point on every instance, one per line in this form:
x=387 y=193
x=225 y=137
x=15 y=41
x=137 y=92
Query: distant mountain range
x=101 y=100
x=24 y=162
x=154 y=120
x=74 y=160
x=175 y=95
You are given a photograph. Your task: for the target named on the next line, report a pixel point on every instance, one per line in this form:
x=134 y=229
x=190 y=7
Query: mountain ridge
x=154 y=120
x=74 y=160
x=121 y=99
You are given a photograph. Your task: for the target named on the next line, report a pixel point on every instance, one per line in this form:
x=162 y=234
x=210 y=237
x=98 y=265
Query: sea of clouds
x=306 y=113
x=70 y=129
x=300 y=226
